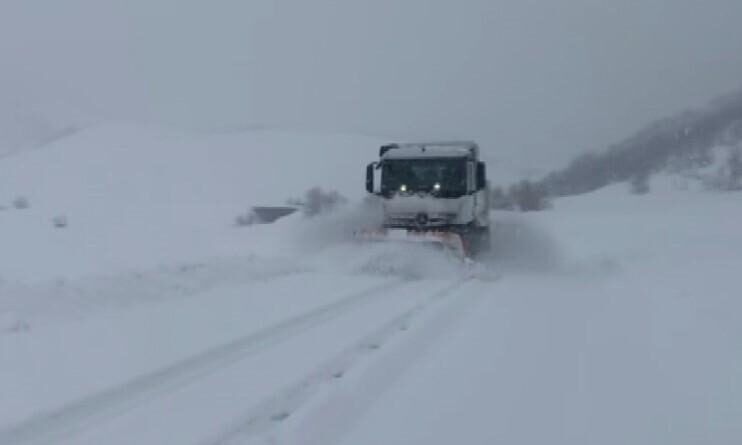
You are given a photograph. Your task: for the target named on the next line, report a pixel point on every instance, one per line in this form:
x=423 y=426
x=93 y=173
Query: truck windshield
x=445 y=177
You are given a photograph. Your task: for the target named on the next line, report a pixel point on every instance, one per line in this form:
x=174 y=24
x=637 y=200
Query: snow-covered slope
x=152 y=319
x=617 y=320
x=138 y=197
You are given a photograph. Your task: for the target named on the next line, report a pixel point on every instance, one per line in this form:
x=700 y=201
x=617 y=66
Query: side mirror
x=370 y=177
x=481 y=176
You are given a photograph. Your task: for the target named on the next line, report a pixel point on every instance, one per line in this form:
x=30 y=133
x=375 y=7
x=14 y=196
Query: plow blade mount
x=447 y=240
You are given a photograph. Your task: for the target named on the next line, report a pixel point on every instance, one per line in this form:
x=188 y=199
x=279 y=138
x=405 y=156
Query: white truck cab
x=436 y=187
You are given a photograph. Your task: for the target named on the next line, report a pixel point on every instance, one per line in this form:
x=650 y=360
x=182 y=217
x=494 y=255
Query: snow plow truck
x=432 y=192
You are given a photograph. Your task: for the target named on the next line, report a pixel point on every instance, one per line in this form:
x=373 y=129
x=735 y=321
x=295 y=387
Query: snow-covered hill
x=137 y=197
x=151 y=318
x=690 y=141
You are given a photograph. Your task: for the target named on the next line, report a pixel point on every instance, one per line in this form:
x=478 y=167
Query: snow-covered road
x=245 y=370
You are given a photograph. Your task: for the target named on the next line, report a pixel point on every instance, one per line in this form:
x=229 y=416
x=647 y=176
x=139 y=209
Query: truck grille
x=420 y=220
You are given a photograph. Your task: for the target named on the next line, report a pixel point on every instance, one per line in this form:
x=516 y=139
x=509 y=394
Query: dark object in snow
x=269 y=214
x=639 y=184
x=280 y=416
x=21 y=203
x=60 y=221
x=263 y=215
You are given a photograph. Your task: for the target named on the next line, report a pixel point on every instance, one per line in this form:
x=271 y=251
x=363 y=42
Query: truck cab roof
x=422 y=150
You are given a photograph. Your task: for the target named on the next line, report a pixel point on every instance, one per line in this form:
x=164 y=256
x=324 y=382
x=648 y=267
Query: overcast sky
x=538 y=79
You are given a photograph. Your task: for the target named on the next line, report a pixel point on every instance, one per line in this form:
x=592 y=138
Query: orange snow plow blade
x=448 y=240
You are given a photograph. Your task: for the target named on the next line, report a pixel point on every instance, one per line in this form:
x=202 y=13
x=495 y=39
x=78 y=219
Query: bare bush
x=499 y=200
x=246 y=219
x=728 y=177
x=318 y=201
x=734 y=167
x=529 y=197
x=639 y=184
x=21 y=203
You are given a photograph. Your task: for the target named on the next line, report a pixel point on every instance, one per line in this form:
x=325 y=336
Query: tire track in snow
x=334 y=416
x=267 y=416
x=74 y=417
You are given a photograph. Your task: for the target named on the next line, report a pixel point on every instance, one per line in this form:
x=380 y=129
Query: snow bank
x=61 y=300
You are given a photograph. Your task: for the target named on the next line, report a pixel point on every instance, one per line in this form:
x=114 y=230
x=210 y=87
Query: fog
x=532 y=80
